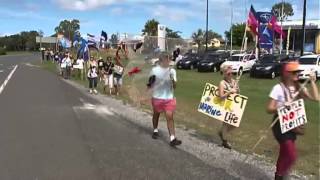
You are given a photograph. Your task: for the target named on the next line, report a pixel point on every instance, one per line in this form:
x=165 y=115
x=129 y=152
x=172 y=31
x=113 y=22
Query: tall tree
x=237 y=34
x=114 y=40
x=198 y=37
x=151 y=28
x=287 y=10
x=211 y=35
x=172 y=34
x=68 y=28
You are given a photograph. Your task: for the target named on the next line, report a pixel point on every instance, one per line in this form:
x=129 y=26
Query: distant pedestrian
x=227 y=87
x=47 y=54
x=93 y=75
x=100 y=68
x=108 y=75
x=118 y=71
x=162 y=82
x=63 y=65
x=281 y=94
x=80 y=67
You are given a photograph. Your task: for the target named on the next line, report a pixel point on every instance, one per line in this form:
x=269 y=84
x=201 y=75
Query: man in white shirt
x=162 y=82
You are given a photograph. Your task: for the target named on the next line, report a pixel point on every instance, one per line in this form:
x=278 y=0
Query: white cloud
x=172 y=14
x=117 y=11
x=83 y=5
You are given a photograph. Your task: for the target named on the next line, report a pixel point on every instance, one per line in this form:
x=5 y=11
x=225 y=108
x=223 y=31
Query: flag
x=276 y=27
x=252 y=21
x=92 y=42
x=76 y=38
x=104 y=36
x=64 y=42
x=134 y=70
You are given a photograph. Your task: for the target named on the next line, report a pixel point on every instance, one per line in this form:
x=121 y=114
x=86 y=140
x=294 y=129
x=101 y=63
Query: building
x=312 y=38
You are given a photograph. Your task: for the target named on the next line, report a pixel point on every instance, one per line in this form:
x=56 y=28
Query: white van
x=241 y=62
x=309 y=63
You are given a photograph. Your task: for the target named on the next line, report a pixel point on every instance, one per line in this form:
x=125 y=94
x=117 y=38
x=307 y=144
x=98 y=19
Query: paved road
x=47 y=131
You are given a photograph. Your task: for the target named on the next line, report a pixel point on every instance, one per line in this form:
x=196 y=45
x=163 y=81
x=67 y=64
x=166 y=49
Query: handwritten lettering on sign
x=292 y=116
x=228 y=110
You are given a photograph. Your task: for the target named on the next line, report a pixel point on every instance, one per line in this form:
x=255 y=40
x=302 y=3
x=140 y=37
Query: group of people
x=109 y=72
x=163 y=80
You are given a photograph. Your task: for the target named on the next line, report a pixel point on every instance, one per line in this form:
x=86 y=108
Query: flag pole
x=303 y=27
x=231 y=34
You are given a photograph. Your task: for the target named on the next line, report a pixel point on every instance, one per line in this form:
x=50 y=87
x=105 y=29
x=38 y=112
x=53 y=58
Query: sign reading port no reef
x=228 y=110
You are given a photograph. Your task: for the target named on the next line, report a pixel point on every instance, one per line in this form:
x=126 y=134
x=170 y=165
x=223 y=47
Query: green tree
x=151 y=28
x=172 y=34
x=114 y=40
x=287 y=10
x=211 y=35
x=198 y=37
x=237 y=34
x=68 y=28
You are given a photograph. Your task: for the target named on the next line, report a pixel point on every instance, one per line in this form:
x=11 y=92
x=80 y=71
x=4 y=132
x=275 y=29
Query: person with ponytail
x=286 y=91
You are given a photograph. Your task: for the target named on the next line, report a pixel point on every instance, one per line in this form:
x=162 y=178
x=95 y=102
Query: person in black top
x=108 y=75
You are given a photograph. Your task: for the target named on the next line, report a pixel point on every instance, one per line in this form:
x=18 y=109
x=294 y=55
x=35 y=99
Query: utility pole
x=207 y=25
x=231 y=32
x=303 y=27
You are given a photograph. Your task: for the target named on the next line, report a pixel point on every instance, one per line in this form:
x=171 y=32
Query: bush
x=3 y=51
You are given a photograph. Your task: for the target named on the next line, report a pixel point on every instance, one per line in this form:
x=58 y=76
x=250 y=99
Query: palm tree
x=198 y=37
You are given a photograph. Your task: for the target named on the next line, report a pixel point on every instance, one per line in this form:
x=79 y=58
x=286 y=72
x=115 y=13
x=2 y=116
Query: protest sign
x=292 y=115
x=228 y=110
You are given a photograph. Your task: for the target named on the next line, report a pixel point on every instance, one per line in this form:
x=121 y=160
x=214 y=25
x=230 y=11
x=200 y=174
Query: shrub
x=3 y=51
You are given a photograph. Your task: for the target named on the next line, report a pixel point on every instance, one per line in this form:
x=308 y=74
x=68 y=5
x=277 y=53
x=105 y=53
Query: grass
x=255 y=119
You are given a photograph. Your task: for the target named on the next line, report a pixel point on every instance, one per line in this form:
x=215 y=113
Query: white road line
x=7 y=79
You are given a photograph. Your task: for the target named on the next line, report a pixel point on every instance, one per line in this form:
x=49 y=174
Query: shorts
x=163 y=105
x=108 y=80
x=117 y=80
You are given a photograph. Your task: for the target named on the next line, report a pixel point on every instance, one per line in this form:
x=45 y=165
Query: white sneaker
x=95 y=91
x=90 y=91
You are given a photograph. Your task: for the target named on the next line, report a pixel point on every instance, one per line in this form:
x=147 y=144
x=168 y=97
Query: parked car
x=189 y=61
x=309 y=63
x=268 y=66
x=212 y=61
x=241 y=62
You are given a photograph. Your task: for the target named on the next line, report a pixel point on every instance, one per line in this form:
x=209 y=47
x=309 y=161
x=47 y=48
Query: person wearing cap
x=162 y=82
x=281 y=94
x=227 y=86
x=93 y=75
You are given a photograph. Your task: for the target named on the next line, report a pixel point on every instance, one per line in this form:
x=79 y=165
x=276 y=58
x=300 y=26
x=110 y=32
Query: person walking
x=93 y=76
x=284 y=92
x=162 y=82
x=227 y=87
x=68 y=66
x=108 y=75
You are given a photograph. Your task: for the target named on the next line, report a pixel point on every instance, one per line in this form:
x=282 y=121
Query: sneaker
x=227 y=145
x=175 y=142
x=95 y=91
x=90 y=91
x=155 y=135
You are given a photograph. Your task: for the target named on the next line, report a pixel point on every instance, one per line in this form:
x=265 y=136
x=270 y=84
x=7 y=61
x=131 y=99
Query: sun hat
x=292 y=66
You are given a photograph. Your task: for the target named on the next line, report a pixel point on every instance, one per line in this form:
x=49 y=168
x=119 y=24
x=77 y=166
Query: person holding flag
x=226 y=87
x=286 y=91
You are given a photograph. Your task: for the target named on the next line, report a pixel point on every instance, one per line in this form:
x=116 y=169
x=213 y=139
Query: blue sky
x=129 y=16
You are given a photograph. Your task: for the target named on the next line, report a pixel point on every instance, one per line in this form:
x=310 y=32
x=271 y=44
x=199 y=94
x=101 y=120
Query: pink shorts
x=162 y=105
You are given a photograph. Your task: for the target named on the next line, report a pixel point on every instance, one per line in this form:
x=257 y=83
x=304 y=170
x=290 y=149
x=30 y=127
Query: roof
x=297 y=24
x=311 y=56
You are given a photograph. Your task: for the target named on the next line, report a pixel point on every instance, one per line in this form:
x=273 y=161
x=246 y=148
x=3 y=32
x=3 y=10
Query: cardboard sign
x=292 y=116
x=228 y=110
x=118 y=69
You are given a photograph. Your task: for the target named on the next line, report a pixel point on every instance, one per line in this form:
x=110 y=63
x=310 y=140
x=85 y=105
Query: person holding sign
x=226 y=87
x=118 y=71
x=162 y=83
x=281 y=95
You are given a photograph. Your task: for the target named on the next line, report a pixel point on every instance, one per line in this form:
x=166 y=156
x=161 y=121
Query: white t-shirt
x=63 y=63
x=80 y=63
x=163 y=87
x=277 y=93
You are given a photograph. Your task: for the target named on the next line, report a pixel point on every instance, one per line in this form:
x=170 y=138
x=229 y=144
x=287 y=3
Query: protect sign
x=228 y=110
x=292 y=115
